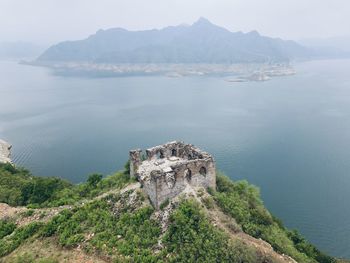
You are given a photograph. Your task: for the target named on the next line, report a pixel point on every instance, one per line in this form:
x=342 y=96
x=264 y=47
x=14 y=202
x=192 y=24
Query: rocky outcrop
x=5 y=152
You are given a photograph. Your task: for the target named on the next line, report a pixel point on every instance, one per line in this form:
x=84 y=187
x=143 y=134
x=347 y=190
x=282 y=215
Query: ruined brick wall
x=135 y=161
x=188 y=166
x=203 y=173
x=196 y=173
x=179 y=149
x=167 y=190
x=150 y=188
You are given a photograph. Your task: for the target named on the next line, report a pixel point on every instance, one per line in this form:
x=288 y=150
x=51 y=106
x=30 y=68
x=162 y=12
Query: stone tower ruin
x=166 y=170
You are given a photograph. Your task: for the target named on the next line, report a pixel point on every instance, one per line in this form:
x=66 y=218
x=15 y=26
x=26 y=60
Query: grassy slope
x=123 y=227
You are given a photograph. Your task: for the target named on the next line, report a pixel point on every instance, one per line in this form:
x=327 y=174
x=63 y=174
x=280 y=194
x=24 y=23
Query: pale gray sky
x=49 y=21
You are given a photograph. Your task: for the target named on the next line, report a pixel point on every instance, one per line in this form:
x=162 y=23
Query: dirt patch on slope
x=47 y=249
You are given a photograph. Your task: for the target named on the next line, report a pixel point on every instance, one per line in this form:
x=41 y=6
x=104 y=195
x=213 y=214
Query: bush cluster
x=19 y=188
x=130 y=235
x=6 y=228
x=10 y=243
x=192 y=238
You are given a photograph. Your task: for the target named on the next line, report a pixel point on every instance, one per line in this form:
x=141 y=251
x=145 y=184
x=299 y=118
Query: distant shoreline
x=239 y=72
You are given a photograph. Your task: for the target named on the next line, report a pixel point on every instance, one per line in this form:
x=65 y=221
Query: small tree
x=127 y=167
x=94 y=179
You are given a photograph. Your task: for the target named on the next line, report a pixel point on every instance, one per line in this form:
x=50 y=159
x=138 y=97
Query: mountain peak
x=254 y=33
x=202 y=21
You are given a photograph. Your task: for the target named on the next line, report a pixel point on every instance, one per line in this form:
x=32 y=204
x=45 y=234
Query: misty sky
x=50 y=21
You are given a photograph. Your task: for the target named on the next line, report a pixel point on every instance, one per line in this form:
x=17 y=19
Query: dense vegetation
x=10 y=243
x=192 y=238
x=132 y=236
x=19 y=188
x=122 y=228
x=242 y=201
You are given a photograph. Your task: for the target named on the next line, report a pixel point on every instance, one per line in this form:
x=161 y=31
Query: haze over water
x=290 y=136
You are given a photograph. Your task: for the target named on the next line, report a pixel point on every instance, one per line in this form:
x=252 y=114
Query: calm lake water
x=290 y=136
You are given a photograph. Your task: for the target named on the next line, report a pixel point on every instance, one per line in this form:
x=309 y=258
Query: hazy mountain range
x=340 y=43
x=201 y=42
x=19 y=50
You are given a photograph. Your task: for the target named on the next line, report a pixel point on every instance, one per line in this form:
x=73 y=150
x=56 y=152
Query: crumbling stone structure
x=167 y=170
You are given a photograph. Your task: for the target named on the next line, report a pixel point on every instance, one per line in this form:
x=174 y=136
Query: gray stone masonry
x=166 y=170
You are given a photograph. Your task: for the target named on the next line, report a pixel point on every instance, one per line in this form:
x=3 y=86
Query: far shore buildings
x=166 y=170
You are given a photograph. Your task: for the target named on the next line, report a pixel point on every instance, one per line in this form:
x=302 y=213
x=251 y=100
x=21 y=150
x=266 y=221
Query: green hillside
x=111 y=220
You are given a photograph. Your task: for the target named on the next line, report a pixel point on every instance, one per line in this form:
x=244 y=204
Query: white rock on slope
x=5 y=152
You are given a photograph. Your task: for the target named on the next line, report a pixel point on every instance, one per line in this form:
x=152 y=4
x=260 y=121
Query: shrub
x=6 y=228
x=94 y=179
x=27 y=213
x=164 y=204
x=52 y=226
x=208 y=202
